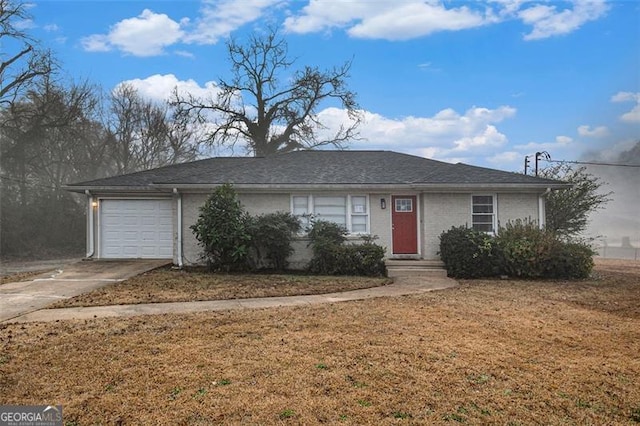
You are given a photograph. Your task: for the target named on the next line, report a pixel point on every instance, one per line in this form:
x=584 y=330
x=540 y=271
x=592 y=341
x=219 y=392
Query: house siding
x=438 y=213
x=255 y=204
x=514 y=206
x=441 y=211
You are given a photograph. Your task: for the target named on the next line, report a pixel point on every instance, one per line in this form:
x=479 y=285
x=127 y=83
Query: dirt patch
x=170 y=285
x=486 y=352
x=20 y=276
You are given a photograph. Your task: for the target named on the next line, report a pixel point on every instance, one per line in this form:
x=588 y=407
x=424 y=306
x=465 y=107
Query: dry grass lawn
x=169 y=285
x=486 y=352
x=20 y=276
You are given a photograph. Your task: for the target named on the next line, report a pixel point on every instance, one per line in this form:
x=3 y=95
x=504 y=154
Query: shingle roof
x=317 y=168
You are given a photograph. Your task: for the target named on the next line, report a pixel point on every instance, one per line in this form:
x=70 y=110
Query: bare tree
x=25 y=62
x=268 y=109
x=141 y=134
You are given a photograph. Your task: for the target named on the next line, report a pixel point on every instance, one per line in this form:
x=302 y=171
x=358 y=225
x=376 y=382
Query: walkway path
x=402 y=286
x=76 y=278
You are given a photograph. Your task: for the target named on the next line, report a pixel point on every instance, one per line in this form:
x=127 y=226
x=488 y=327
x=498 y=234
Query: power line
x=594 y=163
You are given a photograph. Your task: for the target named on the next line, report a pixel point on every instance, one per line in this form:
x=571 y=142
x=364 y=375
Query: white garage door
x=136 y=229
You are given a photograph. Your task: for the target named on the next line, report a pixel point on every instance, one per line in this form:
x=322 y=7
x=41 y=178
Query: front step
x=415 y=268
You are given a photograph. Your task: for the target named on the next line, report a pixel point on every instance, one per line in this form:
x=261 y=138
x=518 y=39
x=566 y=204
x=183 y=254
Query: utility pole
x=526 y=163
x=543 y=154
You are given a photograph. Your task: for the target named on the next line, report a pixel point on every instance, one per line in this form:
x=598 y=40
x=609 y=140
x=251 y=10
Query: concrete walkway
x=20 y=298
x=400 y=287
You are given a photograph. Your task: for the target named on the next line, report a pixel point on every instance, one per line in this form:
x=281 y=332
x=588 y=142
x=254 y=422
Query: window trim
x=348 y=209
x=494 y=214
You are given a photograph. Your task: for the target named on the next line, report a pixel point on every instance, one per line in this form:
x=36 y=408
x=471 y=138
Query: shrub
x=525 y=249
x=520 y=249
x=467 y=253
x=327 y=239
x=222 y=232
x=571 y=260
x=271 y=236
x=332 y=257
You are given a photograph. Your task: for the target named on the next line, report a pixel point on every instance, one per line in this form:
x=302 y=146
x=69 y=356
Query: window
x=300 y=208
x=359 y=214
x=350 y=211
x=483 y=213
x=404 y=205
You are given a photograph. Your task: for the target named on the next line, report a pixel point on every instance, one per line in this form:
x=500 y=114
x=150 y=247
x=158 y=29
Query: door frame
x=418 y=211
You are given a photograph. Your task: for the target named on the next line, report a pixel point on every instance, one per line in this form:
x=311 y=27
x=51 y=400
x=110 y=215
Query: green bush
x=520 y=249
x=221 y=230
x=332 y=257
x=327 y=240
x=571 y=260
x=525 y=249
x=468 y=253
x=271 y=236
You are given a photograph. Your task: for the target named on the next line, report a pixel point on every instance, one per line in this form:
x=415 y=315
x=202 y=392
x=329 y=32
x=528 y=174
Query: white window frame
x=348 y=209
x=494 y=213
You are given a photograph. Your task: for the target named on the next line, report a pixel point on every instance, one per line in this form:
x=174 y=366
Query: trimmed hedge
x=467 y=253
x=520 y=249
x=332 y=257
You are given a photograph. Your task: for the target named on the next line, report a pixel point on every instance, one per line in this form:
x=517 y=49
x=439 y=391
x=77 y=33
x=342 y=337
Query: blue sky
x=485 y=83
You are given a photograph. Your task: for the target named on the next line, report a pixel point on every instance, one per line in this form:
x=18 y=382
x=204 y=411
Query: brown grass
x=20 y=276
x=486 y=352
x=169 y=285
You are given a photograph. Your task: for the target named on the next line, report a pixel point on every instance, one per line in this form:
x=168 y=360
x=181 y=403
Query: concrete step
x=415 y=272
x=418 y=263
x=415 y=268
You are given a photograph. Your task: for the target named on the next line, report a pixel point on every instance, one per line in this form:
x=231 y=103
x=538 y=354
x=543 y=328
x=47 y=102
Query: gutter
x=90 y=215
x=542 y=212
x=179 y=233
x=437 y=187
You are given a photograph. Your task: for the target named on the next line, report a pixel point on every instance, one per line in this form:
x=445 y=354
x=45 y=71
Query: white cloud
x=390 y=20
x=596 y=132
x=145 y=35
x=96 y=43
x=508 y=157
x=406 y=19
x=160 y=87
x=632 y=116
x=150 y=33
x=219 y=18
x=416 y=19
x=548 y=21
x=563 y=140
x=447 y=135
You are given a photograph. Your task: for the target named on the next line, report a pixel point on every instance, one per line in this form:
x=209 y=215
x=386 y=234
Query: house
x=404 y=200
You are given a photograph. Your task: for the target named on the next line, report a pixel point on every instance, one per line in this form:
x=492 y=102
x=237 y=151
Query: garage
x=136 y=228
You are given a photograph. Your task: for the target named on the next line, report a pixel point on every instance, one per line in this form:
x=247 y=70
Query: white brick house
x=406 y=201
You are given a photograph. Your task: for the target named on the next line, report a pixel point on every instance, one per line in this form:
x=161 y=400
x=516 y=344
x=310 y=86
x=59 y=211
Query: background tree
x=268 y=108
x=568 y=210
x=21 y=61
x=48 y=138
x=142 y=135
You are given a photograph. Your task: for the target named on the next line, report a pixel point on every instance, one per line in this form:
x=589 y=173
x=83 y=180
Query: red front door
x=404 y=222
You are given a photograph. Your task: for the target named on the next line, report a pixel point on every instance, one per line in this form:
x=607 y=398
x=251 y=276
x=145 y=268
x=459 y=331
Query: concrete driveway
x=71 y=280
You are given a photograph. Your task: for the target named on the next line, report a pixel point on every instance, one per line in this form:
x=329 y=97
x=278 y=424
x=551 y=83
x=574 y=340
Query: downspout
x=179 y=236
x=91 y=248
x=541 y=209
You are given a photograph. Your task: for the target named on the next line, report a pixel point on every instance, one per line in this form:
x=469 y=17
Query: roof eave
x=151 y=189
x=424 y=187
